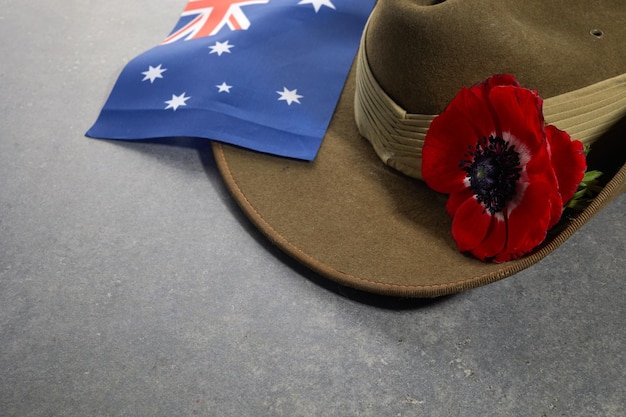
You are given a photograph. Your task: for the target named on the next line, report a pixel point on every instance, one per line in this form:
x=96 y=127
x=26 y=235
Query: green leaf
x=591 y=176
x=587 y=191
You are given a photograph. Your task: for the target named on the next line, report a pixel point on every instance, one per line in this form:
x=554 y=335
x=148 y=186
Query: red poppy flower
x=507 y=173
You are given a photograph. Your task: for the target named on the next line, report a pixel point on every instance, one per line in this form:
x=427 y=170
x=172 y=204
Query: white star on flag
x=224 y=88
x=153 y=73
x=290 y=96
x=176 y=101
x=220 y=47
x=317 y=4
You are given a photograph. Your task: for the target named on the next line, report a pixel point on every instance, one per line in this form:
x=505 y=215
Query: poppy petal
x=456 y=199
x=568 y=160
x=519 y=112
x=499 y=80
x=470 y=225
x=528 y=222
x=494 y=242
x=476 y=111
x=440 y=165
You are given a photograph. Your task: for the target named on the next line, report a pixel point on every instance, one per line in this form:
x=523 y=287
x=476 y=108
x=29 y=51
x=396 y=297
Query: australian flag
x=262 y=74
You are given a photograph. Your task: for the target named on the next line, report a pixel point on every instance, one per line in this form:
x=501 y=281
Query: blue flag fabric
x=262 y=74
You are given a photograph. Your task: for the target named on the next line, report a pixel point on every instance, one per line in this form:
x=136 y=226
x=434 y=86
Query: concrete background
x=132 y=285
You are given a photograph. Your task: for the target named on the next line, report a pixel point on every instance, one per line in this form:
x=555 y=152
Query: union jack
x=212 y=15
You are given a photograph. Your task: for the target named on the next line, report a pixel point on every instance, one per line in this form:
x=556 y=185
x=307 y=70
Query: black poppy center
x=493 y=169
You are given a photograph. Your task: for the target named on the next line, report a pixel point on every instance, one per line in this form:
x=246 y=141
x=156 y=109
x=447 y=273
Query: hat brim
x=352 y=219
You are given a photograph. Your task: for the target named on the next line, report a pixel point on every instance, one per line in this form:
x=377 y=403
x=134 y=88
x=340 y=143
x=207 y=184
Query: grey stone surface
x=131 y=284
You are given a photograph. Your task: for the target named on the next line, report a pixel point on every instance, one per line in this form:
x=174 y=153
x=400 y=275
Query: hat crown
x=422 y=52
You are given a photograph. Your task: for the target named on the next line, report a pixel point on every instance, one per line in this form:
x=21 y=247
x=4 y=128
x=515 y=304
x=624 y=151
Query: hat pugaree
x=359 y=214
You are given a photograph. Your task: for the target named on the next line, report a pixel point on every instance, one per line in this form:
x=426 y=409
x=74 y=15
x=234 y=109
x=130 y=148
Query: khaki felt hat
x=359 y=214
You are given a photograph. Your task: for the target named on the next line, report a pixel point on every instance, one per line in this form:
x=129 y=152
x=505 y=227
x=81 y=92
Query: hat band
x=398 y=136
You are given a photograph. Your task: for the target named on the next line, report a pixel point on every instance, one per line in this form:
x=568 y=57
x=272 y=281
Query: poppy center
x=493 y=168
